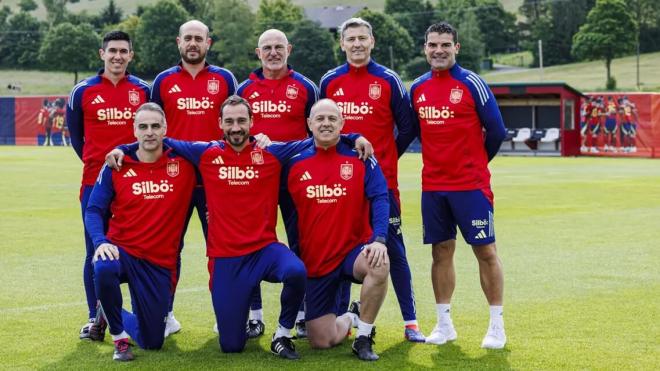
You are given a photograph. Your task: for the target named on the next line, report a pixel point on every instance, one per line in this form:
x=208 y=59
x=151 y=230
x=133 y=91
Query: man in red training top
x=461 y=131
x=281 y=99
x=375 y=103
x=148 y=200
x=191 y=94
x=99 y=116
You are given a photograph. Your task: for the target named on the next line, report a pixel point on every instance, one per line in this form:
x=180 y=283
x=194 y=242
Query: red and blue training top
x=192 y=104
x=280 y=107
x=461 y=129
x=148 y=202
x=100 y=116
x=373 y=100
x=341 y=201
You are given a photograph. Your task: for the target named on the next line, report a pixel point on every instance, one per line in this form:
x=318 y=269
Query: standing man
x=331 y=186
x=99 y=117
x=461 y=131
x=374 y=103
x=148 y=199
x=191 y=94
x=281 y=100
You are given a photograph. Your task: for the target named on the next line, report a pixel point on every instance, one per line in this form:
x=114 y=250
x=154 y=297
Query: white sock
x=496 y=316
x=354 y=318
x=444 y=313
x=364 y=329
x=170 y=314
x=123 y=335
x=257 y=314
x=300 y=316
x=282 y=331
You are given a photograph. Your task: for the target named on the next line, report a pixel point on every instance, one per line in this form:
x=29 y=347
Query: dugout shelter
x=540 y=117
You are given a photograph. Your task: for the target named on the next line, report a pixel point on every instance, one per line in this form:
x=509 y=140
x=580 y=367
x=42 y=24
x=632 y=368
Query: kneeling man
x=342 y=209
x=148 y=200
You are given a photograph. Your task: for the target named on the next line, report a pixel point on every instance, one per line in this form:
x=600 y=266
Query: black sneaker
x=283 y=347
x=255 y=328
x=362 y=348
x=123 y=351
x=95 y=329
x=301 y=330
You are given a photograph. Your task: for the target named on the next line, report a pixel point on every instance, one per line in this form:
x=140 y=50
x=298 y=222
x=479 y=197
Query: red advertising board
x=620 y=124
x=41 y=120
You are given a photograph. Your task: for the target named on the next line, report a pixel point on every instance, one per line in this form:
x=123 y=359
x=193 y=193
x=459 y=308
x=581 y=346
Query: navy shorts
x=610 y=126
x=472 y=211
x=322 y=294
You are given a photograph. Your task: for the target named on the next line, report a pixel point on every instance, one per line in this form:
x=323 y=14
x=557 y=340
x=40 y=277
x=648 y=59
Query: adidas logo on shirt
x=98 y=100
x=338 y=93
x=481 y=235
x=130 y=173
x=253 y=95
x=421 y=98
x=218 y=161
x=305 y=177
x=175 y=89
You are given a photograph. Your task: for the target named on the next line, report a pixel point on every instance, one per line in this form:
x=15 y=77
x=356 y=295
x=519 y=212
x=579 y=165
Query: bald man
x=331 y=186
x=281 y=100
x=191 y=94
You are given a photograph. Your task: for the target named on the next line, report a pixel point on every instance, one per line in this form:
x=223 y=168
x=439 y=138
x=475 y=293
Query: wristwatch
x=380 y=239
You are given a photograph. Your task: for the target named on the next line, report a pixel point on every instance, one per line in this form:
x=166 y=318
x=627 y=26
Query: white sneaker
x=442 y=333
x=215 y=328
x=583 y=149
x=172 y=326
x=495 y=338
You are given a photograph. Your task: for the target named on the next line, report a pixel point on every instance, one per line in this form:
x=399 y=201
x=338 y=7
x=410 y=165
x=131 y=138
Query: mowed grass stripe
x=576 y=235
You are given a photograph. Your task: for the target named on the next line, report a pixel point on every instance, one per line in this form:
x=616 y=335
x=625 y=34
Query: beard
x=199 y=59
x=236 y=138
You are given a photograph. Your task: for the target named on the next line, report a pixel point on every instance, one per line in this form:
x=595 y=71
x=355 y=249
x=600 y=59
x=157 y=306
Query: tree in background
x=280 y=14
x=313 y=50
x=497 y=26
x=27 y=5
x=56 y=11
x=472 y=46
x=201 y=10
x=155 y=36
x=554 y=23
x=413 y=15
x=70 y=48
x=233 y=31
x=20 y=41
x=647 y=16
x=610 y=31
x=394 y=46
x=110 y=14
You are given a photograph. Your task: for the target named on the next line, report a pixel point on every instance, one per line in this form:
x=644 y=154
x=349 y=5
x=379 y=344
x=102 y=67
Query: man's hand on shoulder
x=262 y=140
x=364 y=148
x=114 y=159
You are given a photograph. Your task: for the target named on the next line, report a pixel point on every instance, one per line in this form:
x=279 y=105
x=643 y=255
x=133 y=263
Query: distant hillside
x=590 y=76
x=129 y=6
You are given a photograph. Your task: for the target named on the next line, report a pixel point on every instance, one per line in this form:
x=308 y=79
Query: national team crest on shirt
x=346 y=171
x=292 y=92
x=257 y=157
x=133 y=97
x=455 y=95
x=213 y=86
x=374 y=91
x=173 y=168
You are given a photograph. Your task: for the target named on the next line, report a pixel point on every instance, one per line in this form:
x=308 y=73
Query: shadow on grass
x=451 y=356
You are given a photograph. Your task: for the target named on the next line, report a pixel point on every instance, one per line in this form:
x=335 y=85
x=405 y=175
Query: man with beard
x=191 y=93
x=281 y=100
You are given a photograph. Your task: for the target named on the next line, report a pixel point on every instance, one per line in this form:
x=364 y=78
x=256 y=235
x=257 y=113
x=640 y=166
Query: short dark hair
x=235 y=100
x=440 y=28
x=116 y=35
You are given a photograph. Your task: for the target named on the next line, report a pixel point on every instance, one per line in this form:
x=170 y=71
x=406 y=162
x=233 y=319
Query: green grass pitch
x=578 y=238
